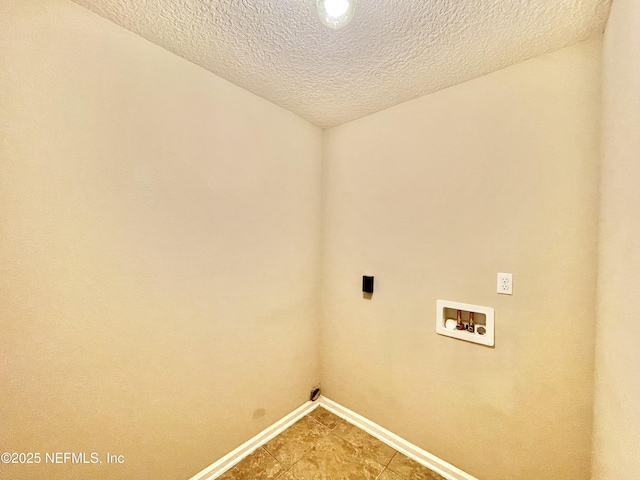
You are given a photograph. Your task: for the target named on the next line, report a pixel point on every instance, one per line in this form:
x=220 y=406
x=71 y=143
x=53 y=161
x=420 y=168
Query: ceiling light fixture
x=335 y=13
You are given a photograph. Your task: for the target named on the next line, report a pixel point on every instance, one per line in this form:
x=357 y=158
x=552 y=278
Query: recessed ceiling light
x=336 y=13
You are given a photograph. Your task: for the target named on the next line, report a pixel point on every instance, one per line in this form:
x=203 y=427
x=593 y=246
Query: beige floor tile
x=333 y=458
x=389 y=475
x=365 y=443
x=410 y=469
x=257 y=466
x=325 y=417
x=291 y=445
x=287 y=476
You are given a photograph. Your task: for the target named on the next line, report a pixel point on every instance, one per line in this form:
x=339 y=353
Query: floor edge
x=450 y=472
x=232 y=458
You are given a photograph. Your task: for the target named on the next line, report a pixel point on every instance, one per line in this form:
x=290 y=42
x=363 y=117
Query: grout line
x=270 y=454
x=286 y=470
x=380 y=474
x=331 y=429
x=395 y=452
x=317 y=421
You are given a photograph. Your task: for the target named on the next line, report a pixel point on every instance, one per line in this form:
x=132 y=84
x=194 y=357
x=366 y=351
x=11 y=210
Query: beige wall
x=159 y=241
x=617 y=409
x=434 y=197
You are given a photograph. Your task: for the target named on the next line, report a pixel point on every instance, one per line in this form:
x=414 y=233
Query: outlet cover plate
x=505 y=283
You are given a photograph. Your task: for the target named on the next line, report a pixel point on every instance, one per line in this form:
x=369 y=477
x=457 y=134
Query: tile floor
x=322 y=446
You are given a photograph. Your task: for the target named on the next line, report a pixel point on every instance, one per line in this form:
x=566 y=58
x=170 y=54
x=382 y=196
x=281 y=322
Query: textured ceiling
x=392 y=51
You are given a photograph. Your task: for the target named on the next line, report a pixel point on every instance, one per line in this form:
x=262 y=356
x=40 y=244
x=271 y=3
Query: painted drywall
x=617 y=406
x=434 y=197
x=159 y=244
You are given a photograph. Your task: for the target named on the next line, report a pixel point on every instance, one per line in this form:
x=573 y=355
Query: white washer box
x=483 y=317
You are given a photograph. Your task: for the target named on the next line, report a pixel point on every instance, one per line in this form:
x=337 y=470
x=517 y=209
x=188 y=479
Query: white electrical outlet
x=505 y=283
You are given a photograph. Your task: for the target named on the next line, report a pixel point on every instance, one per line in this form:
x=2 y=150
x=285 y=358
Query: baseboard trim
x=421 y=456
x=229 y=460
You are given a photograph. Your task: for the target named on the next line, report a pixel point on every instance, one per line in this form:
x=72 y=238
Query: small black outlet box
x=367 y=284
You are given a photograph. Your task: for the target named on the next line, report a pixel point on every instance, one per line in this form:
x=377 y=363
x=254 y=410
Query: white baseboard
x=230 y=459
x=421 y=456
